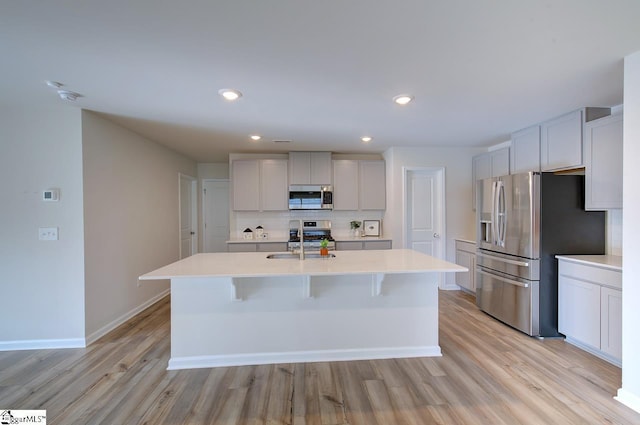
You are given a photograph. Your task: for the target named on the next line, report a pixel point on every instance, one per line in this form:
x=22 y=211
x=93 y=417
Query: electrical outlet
x=48 y=233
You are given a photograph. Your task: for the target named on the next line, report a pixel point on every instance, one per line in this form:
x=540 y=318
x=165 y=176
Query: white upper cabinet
x=310 y=168
x=525 y=150
x=486 y=165
x=260 y=185
x=359 y=185
x=561 y=142
x=274 y=195
x=346 y=186
x=499 y=162
x=561 y=139
x=245 y=178
x=372 y=185
x=603 y=163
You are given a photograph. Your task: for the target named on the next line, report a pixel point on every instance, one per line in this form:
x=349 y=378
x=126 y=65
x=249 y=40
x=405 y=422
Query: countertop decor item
x=371 y=227
x=247 y=234
x=324 y=250
x=355 y=226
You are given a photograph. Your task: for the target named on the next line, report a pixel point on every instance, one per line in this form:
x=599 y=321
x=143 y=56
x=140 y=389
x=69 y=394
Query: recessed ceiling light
x=54 y=84
x=366 y=139
x=255 y=137
x=68 y=95
x=403 y=99
x=230 y=94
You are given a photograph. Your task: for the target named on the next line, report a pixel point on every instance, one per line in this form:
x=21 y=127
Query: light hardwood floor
x=488 y=374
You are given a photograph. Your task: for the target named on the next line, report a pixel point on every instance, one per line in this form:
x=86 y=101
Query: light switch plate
x=48 y=233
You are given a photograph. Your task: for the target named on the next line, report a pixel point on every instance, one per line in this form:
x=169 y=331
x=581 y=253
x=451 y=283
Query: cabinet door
x=245 y=178
x=499 y=162
x=372 y=185
x=579 y=310
x=377 y=245
x=345 y=187
x=310 y=168
x=463 y=279
x=611 y=324
x=561 y=142
x=299 y=165
x=348 y=245
x=272 y=247
x=480 y=169
x=320 y=168
x=274 y=194
x=525 y=150
x=242 y=247
x=603 y=163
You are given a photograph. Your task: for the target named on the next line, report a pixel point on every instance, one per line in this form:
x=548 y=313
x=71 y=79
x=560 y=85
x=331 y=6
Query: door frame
x=194 y=212
x=203 y=211
x=442 y=217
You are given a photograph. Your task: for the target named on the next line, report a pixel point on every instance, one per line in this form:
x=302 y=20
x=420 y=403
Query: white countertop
x=612 y=262
x=466 y=240
x=256 y=264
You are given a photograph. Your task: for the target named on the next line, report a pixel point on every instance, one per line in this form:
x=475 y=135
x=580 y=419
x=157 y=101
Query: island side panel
x=276 y=323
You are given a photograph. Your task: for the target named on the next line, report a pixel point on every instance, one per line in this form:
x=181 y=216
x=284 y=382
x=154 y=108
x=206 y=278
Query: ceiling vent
x=282 y=141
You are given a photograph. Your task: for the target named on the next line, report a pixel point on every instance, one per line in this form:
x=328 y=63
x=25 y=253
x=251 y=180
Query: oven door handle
x=504 y=260
x=504 y=279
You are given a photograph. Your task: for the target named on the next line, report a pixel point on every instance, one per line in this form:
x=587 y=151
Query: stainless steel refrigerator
x=523 y=221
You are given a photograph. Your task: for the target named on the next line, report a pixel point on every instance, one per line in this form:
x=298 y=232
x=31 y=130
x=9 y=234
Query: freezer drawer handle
x=504 y=279
x=504 y=260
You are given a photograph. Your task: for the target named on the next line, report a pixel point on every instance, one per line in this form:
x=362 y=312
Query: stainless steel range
x=313 y=232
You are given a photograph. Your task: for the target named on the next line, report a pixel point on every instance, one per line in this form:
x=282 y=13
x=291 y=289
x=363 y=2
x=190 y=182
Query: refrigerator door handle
x=502 y=214
x=504 y=260
x=504 y=279
x=494 y=224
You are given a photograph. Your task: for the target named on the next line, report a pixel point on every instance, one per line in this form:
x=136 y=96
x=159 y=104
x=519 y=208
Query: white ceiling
x=319 y=73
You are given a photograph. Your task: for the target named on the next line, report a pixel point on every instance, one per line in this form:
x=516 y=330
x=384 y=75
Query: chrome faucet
x=301 y=232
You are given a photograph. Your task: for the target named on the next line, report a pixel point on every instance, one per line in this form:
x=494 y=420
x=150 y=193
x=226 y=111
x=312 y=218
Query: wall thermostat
x=50 y=195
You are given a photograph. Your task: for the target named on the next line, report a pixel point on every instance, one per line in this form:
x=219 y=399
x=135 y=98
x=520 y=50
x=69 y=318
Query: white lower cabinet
x=590 y=308
x=258 y=246
x=466 y=257
x=579 y=310
x=359 y=245
x=611 y=326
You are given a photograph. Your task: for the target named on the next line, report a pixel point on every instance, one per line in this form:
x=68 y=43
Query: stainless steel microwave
x=310 y=197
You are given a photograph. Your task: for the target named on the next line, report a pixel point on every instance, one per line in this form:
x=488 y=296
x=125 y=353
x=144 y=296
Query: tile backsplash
x=276 y=223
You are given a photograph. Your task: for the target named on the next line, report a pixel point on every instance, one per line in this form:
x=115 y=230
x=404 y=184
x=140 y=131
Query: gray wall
x=41 y=282
x=131 y=219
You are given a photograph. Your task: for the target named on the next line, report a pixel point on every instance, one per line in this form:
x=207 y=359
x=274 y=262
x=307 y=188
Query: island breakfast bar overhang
x=232 y=309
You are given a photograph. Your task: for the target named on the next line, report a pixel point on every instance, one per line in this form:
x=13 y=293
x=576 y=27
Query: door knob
x=436 y=236
x=193 y=233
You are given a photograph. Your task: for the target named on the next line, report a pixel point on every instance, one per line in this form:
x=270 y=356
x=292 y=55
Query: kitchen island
x=230 y=309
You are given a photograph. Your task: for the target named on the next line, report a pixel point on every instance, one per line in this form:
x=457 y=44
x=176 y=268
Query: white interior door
x=424 y=206
x=215 y=213
x=188 y=241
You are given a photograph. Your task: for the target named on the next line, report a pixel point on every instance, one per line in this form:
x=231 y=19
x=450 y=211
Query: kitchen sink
x=291 y=256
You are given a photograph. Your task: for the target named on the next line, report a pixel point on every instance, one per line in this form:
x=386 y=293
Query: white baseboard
x=120 y=320
x=597 y=353
x=628 y=399
x=195 y=362
x=42 y=344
